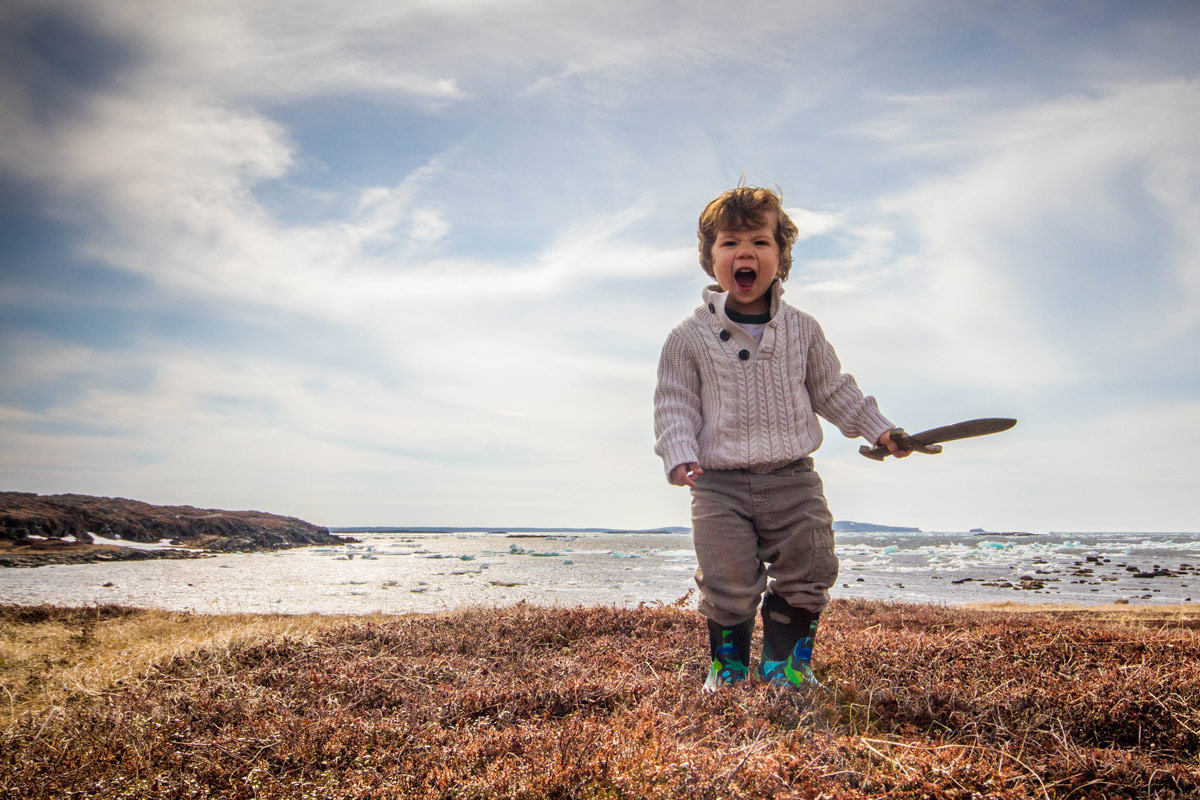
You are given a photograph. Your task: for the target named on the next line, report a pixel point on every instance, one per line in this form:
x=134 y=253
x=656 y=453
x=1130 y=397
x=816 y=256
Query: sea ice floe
x=517 y=550
x=874 y=562
x=678 y=554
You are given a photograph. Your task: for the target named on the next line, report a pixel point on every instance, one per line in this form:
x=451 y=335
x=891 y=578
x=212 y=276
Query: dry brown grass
x=49 y=655
x=924 y=702
x=1178 y=615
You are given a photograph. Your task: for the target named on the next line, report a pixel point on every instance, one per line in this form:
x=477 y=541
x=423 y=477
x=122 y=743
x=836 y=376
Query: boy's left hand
x=893 y=448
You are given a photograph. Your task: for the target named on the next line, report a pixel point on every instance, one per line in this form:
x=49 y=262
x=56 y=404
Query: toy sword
x=929 y=441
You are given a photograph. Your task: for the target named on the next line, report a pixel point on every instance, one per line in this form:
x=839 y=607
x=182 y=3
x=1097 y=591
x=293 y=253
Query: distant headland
x=75 y=529
x=846 y=526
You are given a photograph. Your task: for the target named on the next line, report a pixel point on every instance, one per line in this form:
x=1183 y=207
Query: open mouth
x=745 y=278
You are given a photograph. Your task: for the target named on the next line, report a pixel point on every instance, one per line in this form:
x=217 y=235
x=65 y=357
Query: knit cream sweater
x=728 y=402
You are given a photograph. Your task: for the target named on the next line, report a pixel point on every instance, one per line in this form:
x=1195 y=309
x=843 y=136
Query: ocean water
x=405 y=572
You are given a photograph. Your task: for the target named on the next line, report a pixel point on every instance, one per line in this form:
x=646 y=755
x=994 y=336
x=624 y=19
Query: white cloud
x=428 y=225
x=991 y=233
x=812 y=223
x=258 y=49
x=494 y=422
x=168 y=183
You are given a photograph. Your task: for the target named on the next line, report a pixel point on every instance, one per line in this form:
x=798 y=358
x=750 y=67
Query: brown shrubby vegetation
x=529 y=702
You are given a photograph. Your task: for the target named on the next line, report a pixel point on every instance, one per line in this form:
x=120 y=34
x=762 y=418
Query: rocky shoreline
x=1091 y=572
x=38 y=530
x=13 y=555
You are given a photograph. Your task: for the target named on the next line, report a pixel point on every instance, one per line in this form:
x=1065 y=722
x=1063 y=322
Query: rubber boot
x=730 y=648
x=788 y=636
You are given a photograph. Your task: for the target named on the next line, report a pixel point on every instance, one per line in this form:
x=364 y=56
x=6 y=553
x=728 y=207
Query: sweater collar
x=714 y=301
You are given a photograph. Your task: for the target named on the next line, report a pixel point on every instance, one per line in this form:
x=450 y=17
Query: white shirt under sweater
x=726 y=401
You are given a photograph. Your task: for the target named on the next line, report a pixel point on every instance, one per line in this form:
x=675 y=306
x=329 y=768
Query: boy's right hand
x=685 y=474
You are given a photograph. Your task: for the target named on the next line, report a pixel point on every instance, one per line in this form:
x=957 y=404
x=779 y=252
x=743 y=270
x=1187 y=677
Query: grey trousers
x=754 y=530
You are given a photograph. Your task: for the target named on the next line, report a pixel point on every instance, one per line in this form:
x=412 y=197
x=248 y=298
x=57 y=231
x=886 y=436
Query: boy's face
x=745 y=263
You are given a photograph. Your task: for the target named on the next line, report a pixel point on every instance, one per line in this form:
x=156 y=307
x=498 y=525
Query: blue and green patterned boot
x=788 y=636
x=730 y=648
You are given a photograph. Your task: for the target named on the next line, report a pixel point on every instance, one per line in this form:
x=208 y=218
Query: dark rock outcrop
x=56 y=517
x=17 y=556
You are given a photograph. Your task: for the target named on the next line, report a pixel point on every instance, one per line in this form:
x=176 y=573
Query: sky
x=376 y=263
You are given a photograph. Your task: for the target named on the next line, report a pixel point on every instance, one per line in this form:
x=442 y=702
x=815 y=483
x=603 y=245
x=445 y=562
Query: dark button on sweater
x=725 y=336
x=744 y=355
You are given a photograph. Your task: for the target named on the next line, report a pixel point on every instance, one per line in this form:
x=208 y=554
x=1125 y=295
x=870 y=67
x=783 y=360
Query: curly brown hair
x=746 y=208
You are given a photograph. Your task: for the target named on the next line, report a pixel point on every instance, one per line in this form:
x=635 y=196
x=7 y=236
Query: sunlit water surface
x=404 y=572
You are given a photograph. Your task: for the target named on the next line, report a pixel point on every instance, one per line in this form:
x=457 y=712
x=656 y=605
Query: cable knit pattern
x=728 y=402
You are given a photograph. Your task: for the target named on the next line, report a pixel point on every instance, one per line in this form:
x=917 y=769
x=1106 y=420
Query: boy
x=739 y=385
